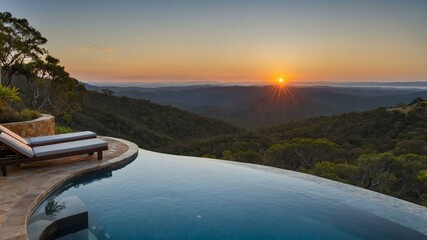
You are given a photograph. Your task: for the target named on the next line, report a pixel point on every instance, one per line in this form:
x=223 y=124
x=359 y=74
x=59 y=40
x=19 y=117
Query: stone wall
x=42 y=126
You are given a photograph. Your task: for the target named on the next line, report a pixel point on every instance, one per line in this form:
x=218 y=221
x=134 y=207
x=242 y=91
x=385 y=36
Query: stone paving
x=24 y=187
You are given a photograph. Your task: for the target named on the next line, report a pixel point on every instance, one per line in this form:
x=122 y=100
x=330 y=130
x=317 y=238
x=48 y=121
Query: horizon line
x=396 y=84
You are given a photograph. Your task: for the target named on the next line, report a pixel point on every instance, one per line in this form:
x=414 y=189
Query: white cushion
x=14 y=135
x=66 y=137
x=62 y=148
x=16 y=145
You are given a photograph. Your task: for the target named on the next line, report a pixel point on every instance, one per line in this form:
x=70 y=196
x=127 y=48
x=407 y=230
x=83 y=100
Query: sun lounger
x=27 y=154
x=52 y=139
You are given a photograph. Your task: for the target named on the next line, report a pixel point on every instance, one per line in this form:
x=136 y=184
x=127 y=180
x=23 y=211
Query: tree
x=375 y=170
x=51 y=88
x=422 y=179
x=283 y=156
x=227 y=155
x=303 y=152
x=416 y=146
x=250 y=156
x=107 y=91
x=410 y=171
x=276 y=154
x=19 y=43
x=53 y=207
x=417 y=100
x=342 y=172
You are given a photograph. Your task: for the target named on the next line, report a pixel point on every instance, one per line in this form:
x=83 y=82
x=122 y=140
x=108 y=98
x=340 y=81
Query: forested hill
x=377 y=130
x=382 y=129
x=149 y=125
x=383 y=150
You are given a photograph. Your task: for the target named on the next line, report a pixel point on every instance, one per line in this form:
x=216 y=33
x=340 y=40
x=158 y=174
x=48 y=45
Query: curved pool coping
x=12 y=227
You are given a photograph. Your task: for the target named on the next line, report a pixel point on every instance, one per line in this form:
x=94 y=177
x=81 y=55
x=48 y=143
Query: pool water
x=160 y=196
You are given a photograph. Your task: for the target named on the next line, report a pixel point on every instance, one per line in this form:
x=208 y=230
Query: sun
x=281 y=80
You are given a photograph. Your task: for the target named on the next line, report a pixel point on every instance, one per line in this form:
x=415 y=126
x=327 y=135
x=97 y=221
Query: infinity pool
x=161 y=196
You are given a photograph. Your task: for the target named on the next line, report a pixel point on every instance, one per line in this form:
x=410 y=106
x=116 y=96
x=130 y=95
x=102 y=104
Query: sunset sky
x=233 y=41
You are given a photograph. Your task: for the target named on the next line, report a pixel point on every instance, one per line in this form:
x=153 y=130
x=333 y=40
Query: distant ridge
x=255 y=106
x=409 y=84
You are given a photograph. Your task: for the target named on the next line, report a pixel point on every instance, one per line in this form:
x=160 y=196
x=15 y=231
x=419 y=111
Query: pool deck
x=25 y=187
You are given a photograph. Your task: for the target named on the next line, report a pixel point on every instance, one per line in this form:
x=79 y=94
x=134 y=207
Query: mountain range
x=260 y=106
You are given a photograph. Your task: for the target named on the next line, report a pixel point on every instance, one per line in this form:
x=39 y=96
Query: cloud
x=96 y=48
x=107 y=49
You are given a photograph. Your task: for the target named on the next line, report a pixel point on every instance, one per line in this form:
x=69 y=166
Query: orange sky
x=233 y=41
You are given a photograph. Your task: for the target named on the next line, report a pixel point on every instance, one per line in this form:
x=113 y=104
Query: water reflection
x=91 y=178
x=53 y=207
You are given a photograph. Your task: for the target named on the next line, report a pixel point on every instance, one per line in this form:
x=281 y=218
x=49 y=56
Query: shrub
x=27 y=114
x=8 y=114
x=63 y=129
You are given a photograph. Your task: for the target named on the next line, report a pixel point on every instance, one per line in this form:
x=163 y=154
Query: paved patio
x=26 y=186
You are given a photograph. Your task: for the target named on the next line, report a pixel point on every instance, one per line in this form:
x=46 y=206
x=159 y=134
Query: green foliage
x=149 y=125
x=8 y=95
x=10 y=115
x=276 y=155
x=19 y=42
x=227 y=155
x=28 y=114
x=242 y=141
x=376 y=171
x=301 y=153
x=62 y=129
x=417 y=146
x=67 y=118
x=249 y=156
x=422 y=176
x=326 y=169
x=49 y=88
x=343 y=172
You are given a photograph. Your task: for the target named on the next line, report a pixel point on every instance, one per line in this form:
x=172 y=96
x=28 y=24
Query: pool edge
x=11 y=227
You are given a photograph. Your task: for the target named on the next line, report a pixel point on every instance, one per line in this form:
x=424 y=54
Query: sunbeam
x=281 y=90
